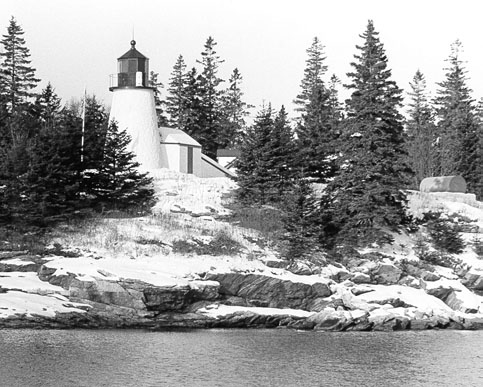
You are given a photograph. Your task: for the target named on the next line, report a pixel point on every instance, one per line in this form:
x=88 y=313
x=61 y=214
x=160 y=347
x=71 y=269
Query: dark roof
x=228 y=153
x=132 y=53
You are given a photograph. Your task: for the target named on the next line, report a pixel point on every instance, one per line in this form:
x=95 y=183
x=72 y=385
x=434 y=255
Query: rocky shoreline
x=378 y=296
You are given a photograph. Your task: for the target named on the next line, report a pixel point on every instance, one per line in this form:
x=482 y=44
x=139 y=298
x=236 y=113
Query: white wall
x=134 y=111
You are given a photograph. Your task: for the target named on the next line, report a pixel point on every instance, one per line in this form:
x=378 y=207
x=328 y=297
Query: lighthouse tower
x=133 y=107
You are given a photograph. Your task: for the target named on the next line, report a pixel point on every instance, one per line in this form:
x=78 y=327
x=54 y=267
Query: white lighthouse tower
x=133 y=107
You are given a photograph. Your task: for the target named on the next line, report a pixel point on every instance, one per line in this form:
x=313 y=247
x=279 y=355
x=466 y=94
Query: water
x=239 y=358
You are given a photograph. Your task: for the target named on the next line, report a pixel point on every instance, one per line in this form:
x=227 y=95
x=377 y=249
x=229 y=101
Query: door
x=190 y=160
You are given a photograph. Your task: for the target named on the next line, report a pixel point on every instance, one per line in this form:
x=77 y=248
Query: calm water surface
x=239 y=358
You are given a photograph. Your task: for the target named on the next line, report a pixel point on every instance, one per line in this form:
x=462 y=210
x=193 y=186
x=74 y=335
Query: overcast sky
x=75 y=43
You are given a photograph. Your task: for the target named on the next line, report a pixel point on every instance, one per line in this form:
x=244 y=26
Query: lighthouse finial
x=133 y=42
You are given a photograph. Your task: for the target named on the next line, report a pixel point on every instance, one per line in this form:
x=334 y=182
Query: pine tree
x=192 y=119
x=316 y=137
x=117 y=183
x=48 y=107
x=478 y=185
x=210 y=98
x=17 y=76
x=176 y=99
x=234 y=111
x=281 y=150
x=255 y=177
x=300 y=221
x=318 y=124
x=421 y=132
x=95 y=127
x=314 y=70
x=158 y=102
x=457 y=125
x=364 y=201
x=51 y=186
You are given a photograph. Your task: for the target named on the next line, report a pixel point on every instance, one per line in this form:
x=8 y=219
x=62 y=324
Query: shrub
x=477 y=244
x=444 y=234
x=221 y=244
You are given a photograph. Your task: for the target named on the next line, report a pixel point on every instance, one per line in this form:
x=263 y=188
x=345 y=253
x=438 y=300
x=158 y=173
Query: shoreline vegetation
x=193 y=264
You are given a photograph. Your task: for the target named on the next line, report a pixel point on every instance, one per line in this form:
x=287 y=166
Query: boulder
x=462 y=301
x=409 y=280
x=261 y=290
x=473 y=280
x=166 y=298
x=204 y=290
x=361 y=278
x=106 y=292
x=429 y=276
x=21 y=264
x=389 y=322
x=330 y=320
x=299 y=268
x=386 y=273
x=443 y=184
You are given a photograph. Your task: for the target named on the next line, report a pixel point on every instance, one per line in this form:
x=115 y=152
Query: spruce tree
x=457 y=126
x=300 y=221
x=318 y=124
x=365 y=202
x=281 y=151
x=95 y=128
x=255 y=176
x=421 y=132
x=118 y=184
x=175 y=101
x=158 y=102
x=313 y=73
x=234 y=111
x=17 y=75
x=316 y=138
x=192 y=118
x=210 y=99
x=48 y=107
x=51 y=186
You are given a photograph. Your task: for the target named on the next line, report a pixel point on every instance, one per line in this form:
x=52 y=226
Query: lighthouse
x=133 y=108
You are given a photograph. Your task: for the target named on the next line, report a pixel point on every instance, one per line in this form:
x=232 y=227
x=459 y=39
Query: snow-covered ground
x=190 y=207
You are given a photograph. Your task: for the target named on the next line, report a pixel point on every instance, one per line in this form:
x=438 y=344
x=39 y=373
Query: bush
x=221 y=244
x=477 y=244
x=444 y=234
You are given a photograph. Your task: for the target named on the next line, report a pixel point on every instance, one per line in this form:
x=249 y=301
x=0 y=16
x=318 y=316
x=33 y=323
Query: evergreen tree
x=300 y=221
x=117 y=183
x=50 y=186
x=176 y=99
x=192 y=119
x=478 y=185
x=319 y=122
x=95 y=127
x=457 y=125
x=255 y=177
x=210 y=98
x=17 y=79
x=158 y=103
x=314 y=70
x=48 y=107
x=316 y=137
x=234 y=111
x=281 y=150
x=365 y=201
x=421 y=132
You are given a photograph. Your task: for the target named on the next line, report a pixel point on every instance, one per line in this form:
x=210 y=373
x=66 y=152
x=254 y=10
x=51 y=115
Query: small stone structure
x=443 y=184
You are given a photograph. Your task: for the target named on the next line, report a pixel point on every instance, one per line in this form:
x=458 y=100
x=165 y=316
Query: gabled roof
x=132 y=53
x=176 y=136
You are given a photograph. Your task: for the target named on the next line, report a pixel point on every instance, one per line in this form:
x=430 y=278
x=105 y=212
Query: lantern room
x=132 y=70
